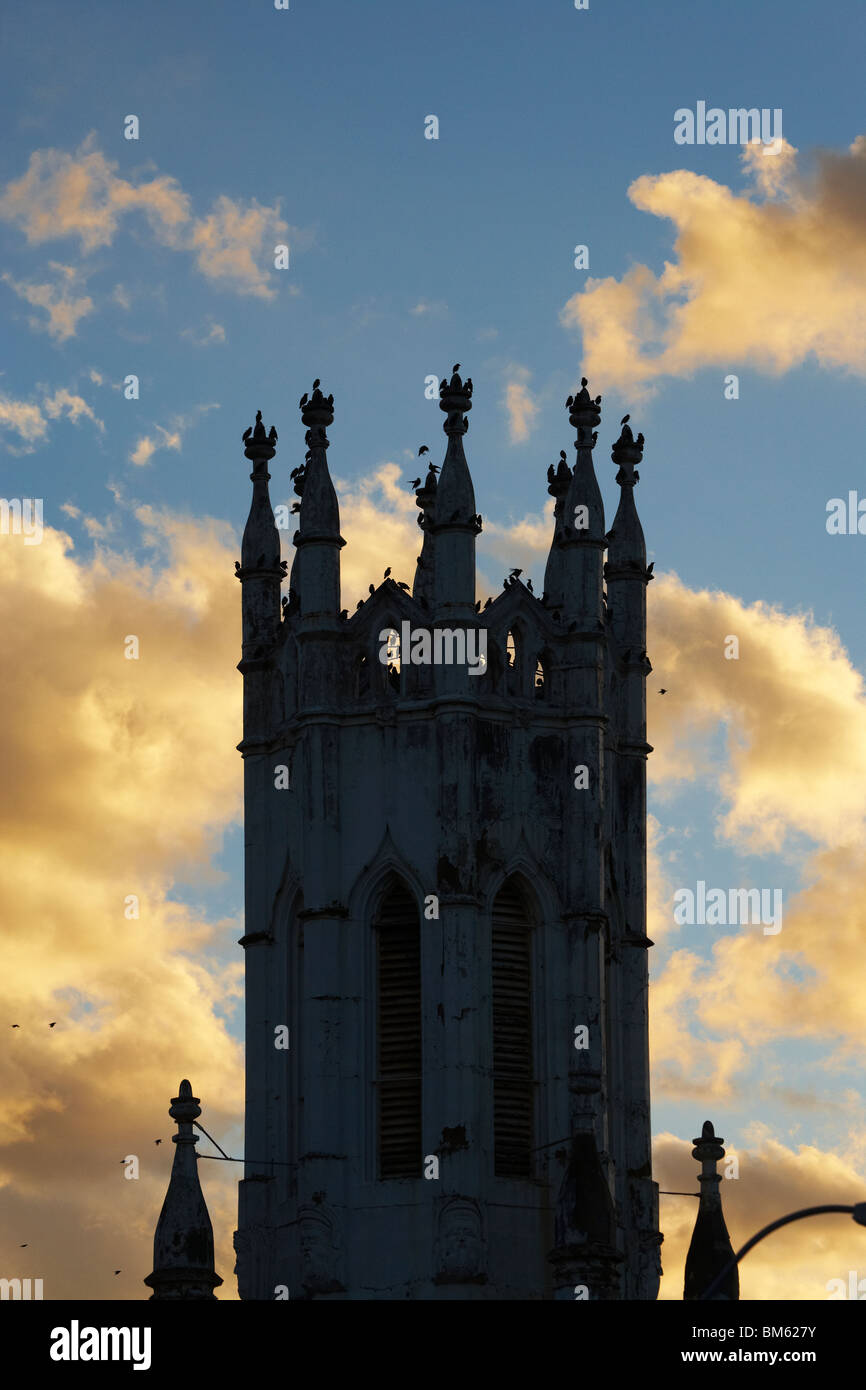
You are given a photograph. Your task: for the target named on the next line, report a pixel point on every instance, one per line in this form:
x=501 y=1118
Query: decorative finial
x=455 y=398
x=584 y=414
x=317 y=413
x=260 y=446
x=626 y=453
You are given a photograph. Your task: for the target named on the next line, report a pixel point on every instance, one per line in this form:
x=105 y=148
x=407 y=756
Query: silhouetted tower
x=445 y=903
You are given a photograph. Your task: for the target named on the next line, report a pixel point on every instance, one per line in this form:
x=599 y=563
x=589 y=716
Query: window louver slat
x=512 y=1036
x=399 y=1036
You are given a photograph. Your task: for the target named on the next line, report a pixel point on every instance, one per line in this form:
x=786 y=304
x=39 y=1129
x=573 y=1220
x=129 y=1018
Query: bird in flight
x=663 y=692
x=157 y=1141
x=51 y=1025
x=423 y=450
x=415 y=482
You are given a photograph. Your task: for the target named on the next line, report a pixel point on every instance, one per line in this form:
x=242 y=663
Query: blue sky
x=410 y=254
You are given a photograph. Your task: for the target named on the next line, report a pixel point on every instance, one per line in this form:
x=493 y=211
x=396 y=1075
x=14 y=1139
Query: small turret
x=183 y=1258
x=455 y=523
x=573 y=577
x=626 y=569
x=316 y=572
x=260 y=570
x=711 y=1247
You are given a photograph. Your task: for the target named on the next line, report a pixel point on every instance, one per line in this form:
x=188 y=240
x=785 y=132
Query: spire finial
x=455 y=398
x=584 y=414
x=317 y=413
x=627 y=453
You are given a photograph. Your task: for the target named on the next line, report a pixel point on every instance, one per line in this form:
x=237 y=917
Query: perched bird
x=303 y=401
x=650 y=567
x=478 y=606
x=434 y=468
x=456 y=367
x=516 y=573
x=423 y=450
x=372 y=588
x=387 y=572
x=296 y=507
x=562 y=455
x=246 y=434
x=625 y=419
x=295 y=471
x=272 y=437
x=415 y=482
x=489 y=601
x=316 y=384
x=505 y=583
x=344 y=614
x=570 y=402
x=663 y=692
x=360 y=604
x=529 y=586
x=237 y=566
x=401 y=585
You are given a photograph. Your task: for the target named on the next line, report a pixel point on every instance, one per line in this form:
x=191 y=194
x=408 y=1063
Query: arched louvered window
x=512 y=1034
x=398 y=1034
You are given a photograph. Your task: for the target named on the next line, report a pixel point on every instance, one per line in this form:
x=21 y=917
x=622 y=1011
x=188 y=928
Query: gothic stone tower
x=445 y=901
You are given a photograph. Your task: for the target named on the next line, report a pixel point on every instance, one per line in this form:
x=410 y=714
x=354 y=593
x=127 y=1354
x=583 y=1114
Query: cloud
x=28 y=418
x=64 y=308
x=94 y=814
x=73 y=406
x=232 y=242
x=435 y=309
x=147 y=445
x=771 y=277
x=81 y=195
x=519 y=405
x=213 y=333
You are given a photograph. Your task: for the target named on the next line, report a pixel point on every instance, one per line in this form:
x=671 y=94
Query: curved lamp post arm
x=858 y=1212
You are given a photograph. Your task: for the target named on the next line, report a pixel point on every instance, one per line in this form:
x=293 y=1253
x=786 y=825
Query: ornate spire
x=318 y=535
x=454 y=522
x=711 y=1247
x=260 y=569
x=626 y=544
x=585 y=1225
x=572 y=579
x=183 y=1259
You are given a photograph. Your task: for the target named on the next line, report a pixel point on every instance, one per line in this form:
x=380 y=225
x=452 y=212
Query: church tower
x=447 y=1079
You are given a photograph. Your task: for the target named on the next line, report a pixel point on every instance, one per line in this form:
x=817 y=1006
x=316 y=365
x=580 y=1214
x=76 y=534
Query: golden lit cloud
x=81 y=195
x=520 y=407
x=64 y=308
x=771 y=276
x=92 y=815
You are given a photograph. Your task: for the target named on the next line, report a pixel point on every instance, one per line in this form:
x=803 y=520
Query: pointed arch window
x=398 y=1033
x=513 y=1092
x=540 y=680
x=510 y=650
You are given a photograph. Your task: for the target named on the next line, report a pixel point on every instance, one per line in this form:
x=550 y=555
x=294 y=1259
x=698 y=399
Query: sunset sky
x=155 y=257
